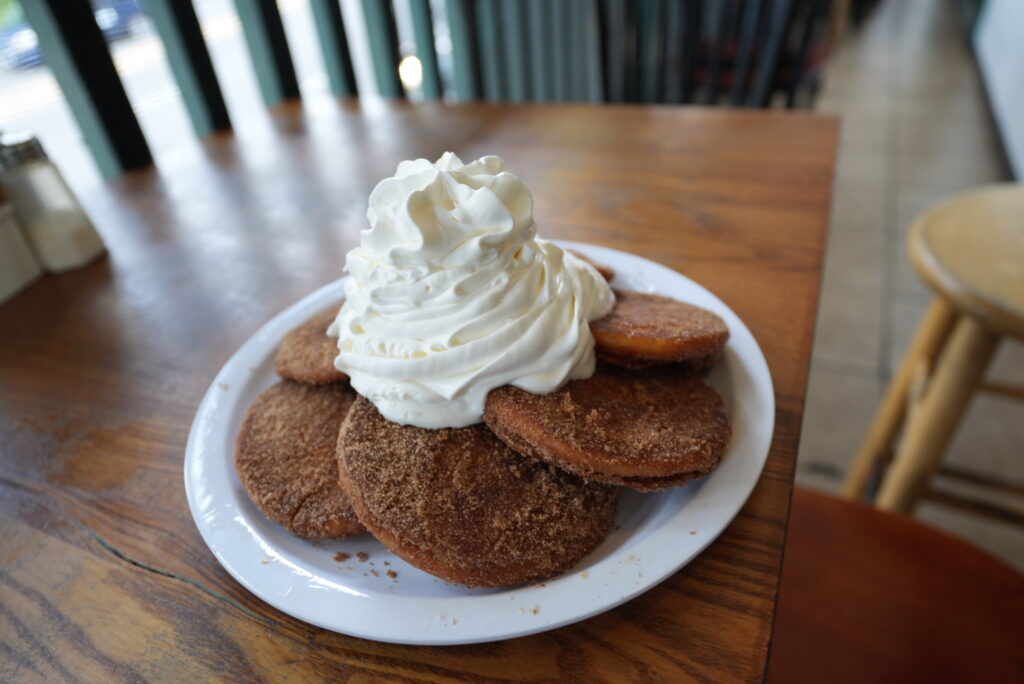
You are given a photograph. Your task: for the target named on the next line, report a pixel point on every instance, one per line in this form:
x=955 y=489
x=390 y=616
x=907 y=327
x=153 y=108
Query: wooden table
x=103 y=575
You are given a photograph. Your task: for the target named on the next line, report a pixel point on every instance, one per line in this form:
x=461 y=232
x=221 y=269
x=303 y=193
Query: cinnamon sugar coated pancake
x=698 y=365
x=285 y=457
x=607 y=272
x=651 y=328
x=645 y=430
x=307 y=353
x=459 y=504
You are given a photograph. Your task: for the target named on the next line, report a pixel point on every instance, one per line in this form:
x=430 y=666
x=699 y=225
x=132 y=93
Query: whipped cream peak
x=452 y=295
x=447 y=213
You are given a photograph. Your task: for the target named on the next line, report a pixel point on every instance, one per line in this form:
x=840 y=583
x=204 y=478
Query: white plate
x=655 y=534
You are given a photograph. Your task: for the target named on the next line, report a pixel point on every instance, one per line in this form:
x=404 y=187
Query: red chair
x=868 y=596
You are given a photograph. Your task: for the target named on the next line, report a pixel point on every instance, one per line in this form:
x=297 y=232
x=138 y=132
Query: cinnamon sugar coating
x=307 y=353
x=699 y=365
x=645 y=429
x=654 y=329
x=461 y=505
x=285 y=457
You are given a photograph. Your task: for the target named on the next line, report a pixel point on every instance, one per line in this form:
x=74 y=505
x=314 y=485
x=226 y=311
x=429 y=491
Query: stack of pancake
x=522 y=496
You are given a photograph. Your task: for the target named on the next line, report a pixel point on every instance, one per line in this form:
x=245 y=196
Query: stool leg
x=928 y=342
x=935 y=418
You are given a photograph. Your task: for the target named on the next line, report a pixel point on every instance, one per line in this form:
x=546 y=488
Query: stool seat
x=868 y=596
x=970 y=249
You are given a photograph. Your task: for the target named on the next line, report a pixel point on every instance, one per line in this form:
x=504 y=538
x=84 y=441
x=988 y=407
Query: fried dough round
x=307 y=353
x=285 y=457
x=700 y=365
x=607 y=272
x=647 y=328
x=459 y=504
x=644 y=430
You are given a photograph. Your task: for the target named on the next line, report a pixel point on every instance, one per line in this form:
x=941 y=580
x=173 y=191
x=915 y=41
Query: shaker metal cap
x=18 y=149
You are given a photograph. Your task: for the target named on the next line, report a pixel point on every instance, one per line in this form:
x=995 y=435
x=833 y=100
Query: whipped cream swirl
x=452 y=294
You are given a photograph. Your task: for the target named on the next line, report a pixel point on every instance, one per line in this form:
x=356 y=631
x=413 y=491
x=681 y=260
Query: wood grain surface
x=103 y=575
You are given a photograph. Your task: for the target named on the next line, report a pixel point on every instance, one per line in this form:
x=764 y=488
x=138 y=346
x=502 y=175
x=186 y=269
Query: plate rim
x=212 y=400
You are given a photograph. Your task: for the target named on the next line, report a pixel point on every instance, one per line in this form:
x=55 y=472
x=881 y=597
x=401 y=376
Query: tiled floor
x=915 y=130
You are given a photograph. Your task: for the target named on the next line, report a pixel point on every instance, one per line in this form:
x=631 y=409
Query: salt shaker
x=58 y=229
x=18 y=267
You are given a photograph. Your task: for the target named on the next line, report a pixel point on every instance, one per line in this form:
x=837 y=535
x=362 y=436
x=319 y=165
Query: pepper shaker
x=18 y=267
x=58 y=229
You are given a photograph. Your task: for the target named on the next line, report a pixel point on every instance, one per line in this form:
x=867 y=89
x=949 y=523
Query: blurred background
x=658 y=67
x=930 y=93
x=917 y=86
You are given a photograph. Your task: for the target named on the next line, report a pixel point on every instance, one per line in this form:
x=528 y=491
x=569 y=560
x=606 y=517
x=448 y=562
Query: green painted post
x=558 y=17
x=380 y=26
x=615 y=23
x=578 y=51
x=492 y=58
x=264 y=34
x=719 y=33
x=693 y=20
x=461 y=23
x=423 y=30
x=517 y=57
x=330 y=28
x=77 y=54
x=650 y=49
x=675 y=43
x=769 y=59
x=176 y=22
x=593 y=58
x=570 y=37
x=541 y=38
x=748 y=32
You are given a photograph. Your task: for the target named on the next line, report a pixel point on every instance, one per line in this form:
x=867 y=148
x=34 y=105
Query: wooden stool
x=970 y=251
x=868 y=596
